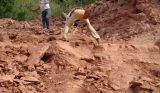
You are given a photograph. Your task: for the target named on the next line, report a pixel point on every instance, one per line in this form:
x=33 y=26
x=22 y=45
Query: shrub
x=20 y=9
x=6 y=8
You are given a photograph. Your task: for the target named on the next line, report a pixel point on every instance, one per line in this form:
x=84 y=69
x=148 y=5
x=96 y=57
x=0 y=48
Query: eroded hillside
x=33 y=60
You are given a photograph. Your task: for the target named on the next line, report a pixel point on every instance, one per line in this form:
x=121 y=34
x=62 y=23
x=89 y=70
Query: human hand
x=33 y=10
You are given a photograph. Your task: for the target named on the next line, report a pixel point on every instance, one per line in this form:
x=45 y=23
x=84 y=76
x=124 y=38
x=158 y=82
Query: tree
x=6 y=7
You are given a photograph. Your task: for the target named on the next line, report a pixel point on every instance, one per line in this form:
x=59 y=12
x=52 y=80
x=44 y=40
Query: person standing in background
x=46 y=12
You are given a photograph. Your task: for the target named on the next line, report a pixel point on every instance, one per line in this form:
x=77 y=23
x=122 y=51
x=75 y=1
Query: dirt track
x=126 y=61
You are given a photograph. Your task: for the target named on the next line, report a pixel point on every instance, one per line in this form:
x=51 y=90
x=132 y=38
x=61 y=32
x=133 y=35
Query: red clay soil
x=127 y=60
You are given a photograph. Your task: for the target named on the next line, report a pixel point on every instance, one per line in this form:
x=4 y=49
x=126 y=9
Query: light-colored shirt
x=44 y=6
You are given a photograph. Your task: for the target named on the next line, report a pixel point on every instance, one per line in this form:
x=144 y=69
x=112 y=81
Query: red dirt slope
x=33 y=60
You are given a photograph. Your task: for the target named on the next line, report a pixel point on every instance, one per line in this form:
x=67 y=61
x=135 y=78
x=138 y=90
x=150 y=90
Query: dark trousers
x=46 y=14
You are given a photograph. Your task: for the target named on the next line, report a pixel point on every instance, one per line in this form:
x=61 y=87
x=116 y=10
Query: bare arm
x=34 y=10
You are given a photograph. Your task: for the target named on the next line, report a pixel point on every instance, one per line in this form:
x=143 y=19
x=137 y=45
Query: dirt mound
x=33 y=60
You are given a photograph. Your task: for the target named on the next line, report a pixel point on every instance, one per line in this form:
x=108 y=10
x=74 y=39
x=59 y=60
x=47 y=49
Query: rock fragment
x=90 y=79
x=30 y=79
x=105 y=82
x=135 y=84
x=105 y=90
x=147 y=87
x=80 y=77
x=31 y=67
x=93 y=76
x=7 y=78
x=100 y=74
x=36 y=56
x=23 y=89
x=10 y=21
x=145 y=79
x=2 y=89
x=33 y=74
x=80 y=69
x=45 y=66
x=20 y=58
x=19 y=81
x=31 y=48
x=80 y=73
x=114 y=87
x=41 y=72
x=24 y=49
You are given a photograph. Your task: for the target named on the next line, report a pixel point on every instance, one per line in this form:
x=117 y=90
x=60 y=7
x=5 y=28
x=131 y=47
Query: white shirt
x=44 y=6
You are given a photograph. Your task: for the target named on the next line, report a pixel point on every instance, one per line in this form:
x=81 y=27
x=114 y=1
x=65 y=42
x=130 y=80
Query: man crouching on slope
x=76 y=15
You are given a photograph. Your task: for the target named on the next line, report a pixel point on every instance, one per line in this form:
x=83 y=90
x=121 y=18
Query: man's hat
x=86 y=14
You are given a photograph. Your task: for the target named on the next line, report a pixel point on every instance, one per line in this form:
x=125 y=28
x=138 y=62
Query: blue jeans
x=46 y=14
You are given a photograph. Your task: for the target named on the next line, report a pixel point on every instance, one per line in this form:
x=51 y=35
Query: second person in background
x=46 y=13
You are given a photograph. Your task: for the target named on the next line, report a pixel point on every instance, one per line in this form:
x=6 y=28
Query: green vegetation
x=6 y=8
x=20 y=9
